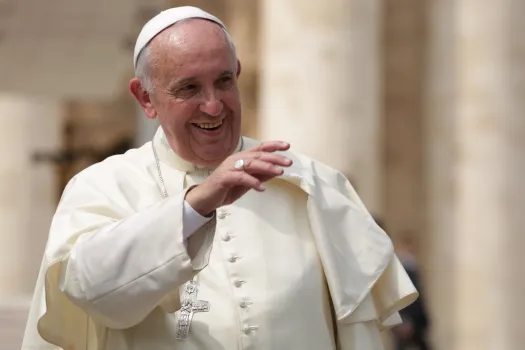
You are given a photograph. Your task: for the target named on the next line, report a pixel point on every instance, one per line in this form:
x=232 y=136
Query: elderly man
x=203 y=239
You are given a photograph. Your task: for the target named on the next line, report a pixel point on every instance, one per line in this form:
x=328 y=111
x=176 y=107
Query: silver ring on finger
x=239 y=164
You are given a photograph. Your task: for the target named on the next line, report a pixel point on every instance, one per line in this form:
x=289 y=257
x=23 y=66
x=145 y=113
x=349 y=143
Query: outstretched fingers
x=256 y=165
x=271 y=146
x=260 y=167
x=273 y=158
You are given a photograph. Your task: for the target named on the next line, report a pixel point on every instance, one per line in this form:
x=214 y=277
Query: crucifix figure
x=189 y=306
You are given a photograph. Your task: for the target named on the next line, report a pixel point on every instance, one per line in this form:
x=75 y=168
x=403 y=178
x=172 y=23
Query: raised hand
x=228 y=183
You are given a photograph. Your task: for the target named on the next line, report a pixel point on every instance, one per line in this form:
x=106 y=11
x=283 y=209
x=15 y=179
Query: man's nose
x=211 y=105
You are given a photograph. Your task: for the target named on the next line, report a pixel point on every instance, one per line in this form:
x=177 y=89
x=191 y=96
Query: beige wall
x=66 y=49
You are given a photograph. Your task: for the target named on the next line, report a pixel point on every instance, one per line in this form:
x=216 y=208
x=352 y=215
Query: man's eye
x=225 y=82
x=187 y=91
x=188 y=87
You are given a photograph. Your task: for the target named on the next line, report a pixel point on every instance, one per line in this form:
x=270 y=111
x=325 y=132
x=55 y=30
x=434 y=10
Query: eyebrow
x=180 y=82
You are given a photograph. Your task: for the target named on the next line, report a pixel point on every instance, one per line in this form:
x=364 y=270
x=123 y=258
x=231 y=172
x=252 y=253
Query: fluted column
x=477 y=144
x=28 y=189
x=28 y=197
x=404 y=65
x=320 y=85
x=440 y=120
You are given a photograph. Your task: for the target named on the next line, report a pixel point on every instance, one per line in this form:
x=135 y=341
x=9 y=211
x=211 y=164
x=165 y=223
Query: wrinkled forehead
x=189 y=35
x=188 y=42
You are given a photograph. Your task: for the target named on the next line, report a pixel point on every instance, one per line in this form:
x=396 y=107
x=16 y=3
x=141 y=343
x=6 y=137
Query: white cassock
x=301 y=266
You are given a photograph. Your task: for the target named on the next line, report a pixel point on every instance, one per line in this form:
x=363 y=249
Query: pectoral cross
x=189 y=306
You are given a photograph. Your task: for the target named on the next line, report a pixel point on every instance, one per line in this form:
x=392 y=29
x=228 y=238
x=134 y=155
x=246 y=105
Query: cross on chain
x=189 y=306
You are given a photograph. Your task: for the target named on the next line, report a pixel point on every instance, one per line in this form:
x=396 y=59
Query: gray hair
x=144 y=64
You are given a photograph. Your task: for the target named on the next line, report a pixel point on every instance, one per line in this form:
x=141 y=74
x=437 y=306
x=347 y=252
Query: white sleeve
x=119 y=273
x=192 y=220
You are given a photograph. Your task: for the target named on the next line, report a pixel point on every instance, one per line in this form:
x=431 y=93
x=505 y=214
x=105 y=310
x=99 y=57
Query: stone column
x=28 y=189
x=404 y=65
x=440 y=116
x=477 y=144
x=320 y=85
x=28 y=195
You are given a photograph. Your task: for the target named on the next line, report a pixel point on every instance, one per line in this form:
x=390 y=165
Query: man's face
x=195 y=95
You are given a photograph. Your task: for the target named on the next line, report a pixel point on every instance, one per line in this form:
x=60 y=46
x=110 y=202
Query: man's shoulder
x=127 y=179
x=135 y=160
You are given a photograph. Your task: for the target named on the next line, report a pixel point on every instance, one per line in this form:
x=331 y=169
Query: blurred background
x=420 y=103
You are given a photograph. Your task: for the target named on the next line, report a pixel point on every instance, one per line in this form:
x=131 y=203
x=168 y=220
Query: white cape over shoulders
x=365 y=278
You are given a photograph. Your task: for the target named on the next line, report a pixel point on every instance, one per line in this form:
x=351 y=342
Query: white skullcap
x=165 y=19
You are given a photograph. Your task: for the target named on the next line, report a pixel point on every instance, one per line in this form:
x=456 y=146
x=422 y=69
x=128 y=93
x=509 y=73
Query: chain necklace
x=159 y=171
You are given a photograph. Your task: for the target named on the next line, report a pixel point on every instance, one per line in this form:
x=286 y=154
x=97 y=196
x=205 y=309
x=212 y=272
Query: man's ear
x=238 y=68
x=143 y=98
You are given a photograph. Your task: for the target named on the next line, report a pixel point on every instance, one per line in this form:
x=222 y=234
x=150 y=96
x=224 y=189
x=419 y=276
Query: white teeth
x=209 y=125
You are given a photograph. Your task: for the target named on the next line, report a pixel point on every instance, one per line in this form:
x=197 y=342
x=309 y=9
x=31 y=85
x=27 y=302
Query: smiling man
x=204 y=239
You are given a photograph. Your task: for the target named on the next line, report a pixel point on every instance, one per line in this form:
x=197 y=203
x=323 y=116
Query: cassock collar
x=167 y=155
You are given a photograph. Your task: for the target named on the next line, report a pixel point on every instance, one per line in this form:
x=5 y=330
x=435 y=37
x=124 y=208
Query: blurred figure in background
x=412 y=333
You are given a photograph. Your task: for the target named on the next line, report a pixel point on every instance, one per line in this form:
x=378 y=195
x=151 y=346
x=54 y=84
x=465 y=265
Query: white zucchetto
x=165 y=19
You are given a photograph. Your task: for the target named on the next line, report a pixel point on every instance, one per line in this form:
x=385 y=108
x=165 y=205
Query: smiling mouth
x=209 y=126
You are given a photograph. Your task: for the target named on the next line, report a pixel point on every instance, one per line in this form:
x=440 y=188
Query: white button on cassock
x=248 y=329
x=239 y=283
